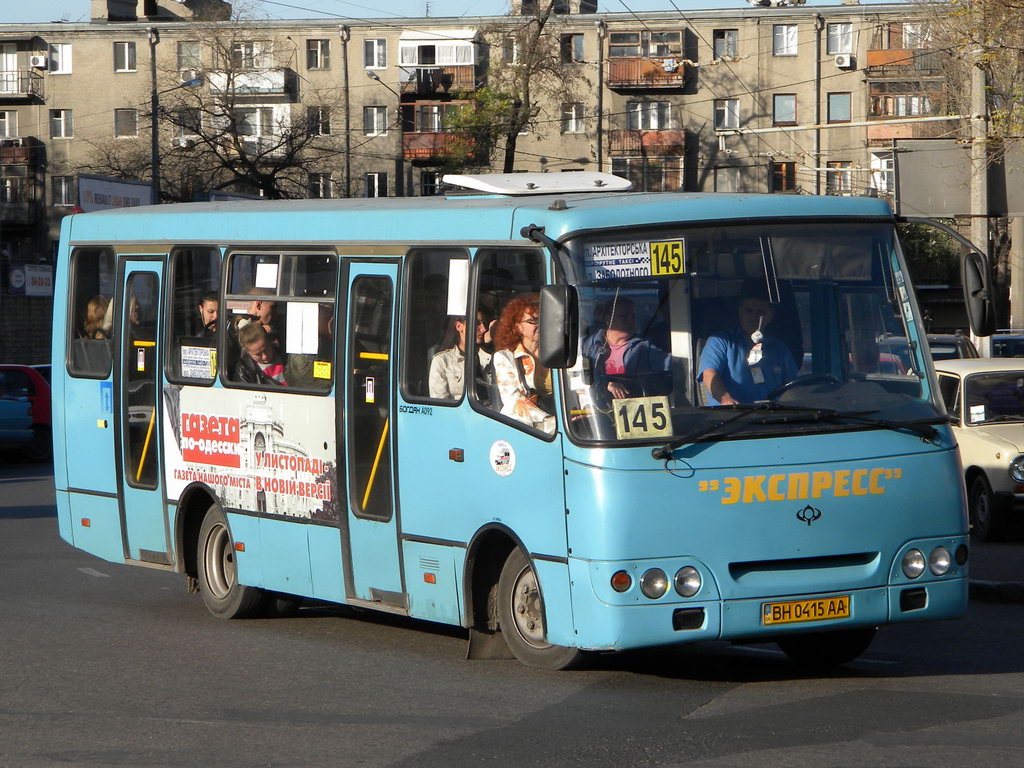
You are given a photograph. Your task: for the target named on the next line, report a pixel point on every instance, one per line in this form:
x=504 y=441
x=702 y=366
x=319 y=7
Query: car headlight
x=1017 y=469
x=939 y=561
x=687 y=581
x=654 y=583
x=913 y=563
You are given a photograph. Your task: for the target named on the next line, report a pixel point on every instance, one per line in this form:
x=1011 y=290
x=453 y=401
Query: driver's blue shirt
x=726 y=352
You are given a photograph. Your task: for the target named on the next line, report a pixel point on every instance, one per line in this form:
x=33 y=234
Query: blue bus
x=565 y=416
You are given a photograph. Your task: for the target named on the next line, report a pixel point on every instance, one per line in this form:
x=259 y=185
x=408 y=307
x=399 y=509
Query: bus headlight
x=687 y=581
x=913 y=563
x=939 y=561
x=1017 y=469
x=654 y=583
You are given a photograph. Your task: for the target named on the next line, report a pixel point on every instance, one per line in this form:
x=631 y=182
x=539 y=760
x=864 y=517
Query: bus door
x=372 y=548
x=143 y=512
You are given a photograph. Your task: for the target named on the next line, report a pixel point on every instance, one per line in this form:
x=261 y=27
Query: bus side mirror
x=976 y=277
x=559 y=325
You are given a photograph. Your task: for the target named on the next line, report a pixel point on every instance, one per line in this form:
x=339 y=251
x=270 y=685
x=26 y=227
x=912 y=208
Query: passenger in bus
x=209 y=309
x=94 y=327
x=743 y=364
x=260 y=362
x=266 y=312
x=447 y=367
x=624 y=364
x=524 y=385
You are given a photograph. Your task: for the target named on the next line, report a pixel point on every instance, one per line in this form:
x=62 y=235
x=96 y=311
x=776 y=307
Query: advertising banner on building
x=99 y=193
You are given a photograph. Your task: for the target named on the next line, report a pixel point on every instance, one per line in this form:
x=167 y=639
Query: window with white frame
x=320 y=186
x=376 y=184
x=646 y=43
x=61 y=124
x=727 y=114
x=914 y=36
x=189 y=55
x=254 y=122
x=430 y=118
x=726 y=43
x=883 y=172
x=648 y=115
x=14 y=184
x=510 y=50
x=319 y=121
x=375 y=53
x=8 y=123
x=62 y=190
x=572 y=48
x=318 y=54
x=124 y=57
x=126 y=123
x=428 y=183
x=839 y=177
x=375 y=120
x=572 y=117
x=784 y=40
x=727 y=178
x=59 y=58
x=840 y=38
x=189 y=121
x=252 y=54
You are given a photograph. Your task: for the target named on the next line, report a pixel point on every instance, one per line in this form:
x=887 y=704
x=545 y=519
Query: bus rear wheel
x=521 y=616
x=827 y=649
x=218 y=574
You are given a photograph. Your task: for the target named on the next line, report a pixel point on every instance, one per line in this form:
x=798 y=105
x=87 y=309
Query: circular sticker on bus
x=503 y=458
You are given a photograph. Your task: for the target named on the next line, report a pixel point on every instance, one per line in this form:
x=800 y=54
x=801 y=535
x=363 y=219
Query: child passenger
x=261 y=361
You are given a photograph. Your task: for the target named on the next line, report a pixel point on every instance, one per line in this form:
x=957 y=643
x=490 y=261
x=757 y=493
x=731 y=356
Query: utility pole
x=979 y=168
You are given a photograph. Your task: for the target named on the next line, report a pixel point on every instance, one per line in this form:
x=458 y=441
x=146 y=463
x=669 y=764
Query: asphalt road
x=107 y=665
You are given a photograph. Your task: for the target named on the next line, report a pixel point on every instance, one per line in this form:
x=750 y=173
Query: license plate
x=793 y=611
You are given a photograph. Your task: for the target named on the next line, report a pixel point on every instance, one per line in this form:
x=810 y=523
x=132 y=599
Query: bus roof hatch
x=538 y=183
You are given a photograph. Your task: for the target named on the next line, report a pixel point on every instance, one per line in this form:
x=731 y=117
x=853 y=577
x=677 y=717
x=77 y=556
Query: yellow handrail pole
x=145 y=446
x=376 y=463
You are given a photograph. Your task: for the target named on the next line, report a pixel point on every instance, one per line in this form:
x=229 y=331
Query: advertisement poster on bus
x=262 y=452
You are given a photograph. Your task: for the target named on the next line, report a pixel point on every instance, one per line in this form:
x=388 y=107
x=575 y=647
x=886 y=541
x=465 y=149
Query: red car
x=32 y=382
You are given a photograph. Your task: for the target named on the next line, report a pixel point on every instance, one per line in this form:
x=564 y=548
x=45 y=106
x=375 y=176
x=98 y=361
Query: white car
x=985 y=396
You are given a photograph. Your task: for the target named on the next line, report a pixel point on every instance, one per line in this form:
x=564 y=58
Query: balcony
x=20 y=84
x=257 y=83
x=19 y=212
x=639 y=72
x=16 y=152
x=429 y=146
x=432 y=81
x=646 y=143
x=904 y=62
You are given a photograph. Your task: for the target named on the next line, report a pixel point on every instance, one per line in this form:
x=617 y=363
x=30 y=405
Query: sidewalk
x=997 y=571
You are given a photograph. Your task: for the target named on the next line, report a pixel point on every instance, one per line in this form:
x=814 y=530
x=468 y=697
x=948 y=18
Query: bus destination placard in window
x=644 y=258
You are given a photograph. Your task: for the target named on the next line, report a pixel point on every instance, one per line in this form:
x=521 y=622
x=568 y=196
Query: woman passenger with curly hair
x=523 y=383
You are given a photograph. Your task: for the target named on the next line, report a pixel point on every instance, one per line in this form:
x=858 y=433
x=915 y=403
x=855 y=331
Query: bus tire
x=827 y=649
x=224 y=597
x=521 y=617
x=987 y=520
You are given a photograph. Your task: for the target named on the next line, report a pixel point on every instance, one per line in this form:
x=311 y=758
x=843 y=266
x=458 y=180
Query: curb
x=996 y=591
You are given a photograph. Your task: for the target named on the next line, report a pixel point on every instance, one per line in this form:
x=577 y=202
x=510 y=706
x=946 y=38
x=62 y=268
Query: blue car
x=15 y=420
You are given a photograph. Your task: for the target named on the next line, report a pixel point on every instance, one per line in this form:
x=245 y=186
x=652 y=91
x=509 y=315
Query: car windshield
x=681 y=328
x=993 y=397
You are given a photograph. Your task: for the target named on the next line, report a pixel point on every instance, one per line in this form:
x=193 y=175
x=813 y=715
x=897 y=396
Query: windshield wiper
x=792 y=414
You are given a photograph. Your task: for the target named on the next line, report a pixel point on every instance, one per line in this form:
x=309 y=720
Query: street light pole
x=154 y=114
x=399 y=159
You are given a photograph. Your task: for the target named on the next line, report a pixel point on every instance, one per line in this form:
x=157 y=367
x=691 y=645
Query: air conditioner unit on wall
x=844 y=61
x=37 y=61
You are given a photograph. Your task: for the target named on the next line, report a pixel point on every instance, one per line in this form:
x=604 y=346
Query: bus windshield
x=742 y=330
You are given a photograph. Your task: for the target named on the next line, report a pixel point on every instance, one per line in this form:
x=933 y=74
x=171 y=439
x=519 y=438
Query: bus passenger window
x=515 y=384
x=195 y=315
x=91 y=314
x=279 y=314
x=434 y=359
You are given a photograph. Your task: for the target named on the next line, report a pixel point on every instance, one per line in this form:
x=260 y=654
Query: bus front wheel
x=521 y=616
x=827 y=649
x=218 y=574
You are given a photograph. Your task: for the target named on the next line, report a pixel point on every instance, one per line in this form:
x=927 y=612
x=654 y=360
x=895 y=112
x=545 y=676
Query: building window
x=883 y=172
x=253 y=122
x=572 y=48
x=900 y=105
x=251 y=54
x=376 y=184
x=59 y=58
x=8 y=123
x=14 y=186
x=646 y=43
x=320 y=186
x=648 y=115
x=189 y=55
x=189 y=121
x=61 y=124
x=375 y=121
x=784 y=40
x=727 y=179
x=651 y=174
x=124 y=57
x=572 y=117
x=510 y=51
x=375 y=53
x=784 y=109
x=839 y=178
x=319 y=121
x=839 y=107
x=726 y=43
x=840 y=38
x=429 y=181
x=62 y=190
x=784 y=177
x=727 y=113
x=126 y=123
x=318 y=54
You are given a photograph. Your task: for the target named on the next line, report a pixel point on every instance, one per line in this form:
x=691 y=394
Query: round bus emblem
x=503 y=458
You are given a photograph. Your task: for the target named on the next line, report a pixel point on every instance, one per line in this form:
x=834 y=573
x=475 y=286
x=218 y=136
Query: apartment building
x=754 y=99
